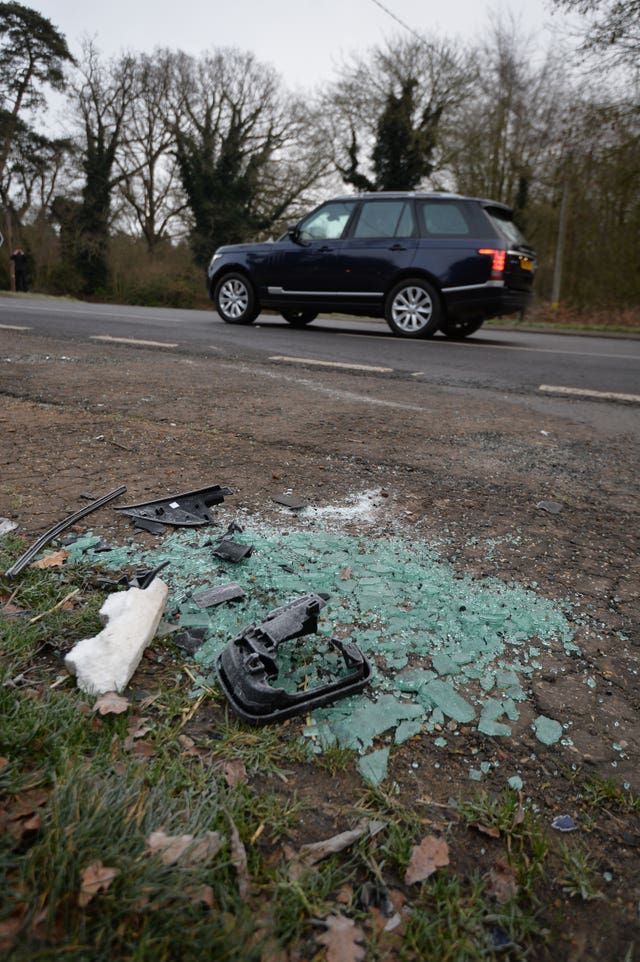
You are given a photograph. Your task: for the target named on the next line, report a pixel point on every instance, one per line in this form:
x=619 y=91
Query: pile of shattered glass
x=442 y=646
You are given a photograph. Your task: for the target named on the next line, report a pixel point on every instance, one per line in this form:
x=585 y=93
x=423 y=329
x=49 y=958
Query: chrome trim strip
x=473 y=287
x=280 y=290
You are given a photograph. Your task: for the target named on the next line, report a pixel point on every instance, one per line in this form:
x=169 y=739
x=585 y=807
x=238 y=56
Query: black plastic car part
x=190 y=509
x=58 y=528
x=248 y=663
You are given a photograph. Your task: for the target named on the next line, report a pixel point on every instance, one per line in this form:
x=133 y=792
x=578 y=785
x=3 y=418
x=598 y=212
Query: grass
x=73 y=793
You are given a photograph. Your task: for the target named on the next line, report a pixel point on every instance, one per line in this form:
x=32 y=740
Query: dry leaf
x=111 y=704
x=239 y=860
x=143 y=750
x=345 y=574
x=315 y=851
x=342 y=939
x=171 y=848
x=10 y=927
x=3 y=762
x=201 y=895
x=502 y=882
x=432 y=853
x=95 y=878
x=235 y=773
x=52 y=560
x=486 y=829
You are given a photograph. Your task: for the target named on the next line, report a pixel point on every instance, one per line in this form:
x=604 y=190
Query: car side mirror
x=293 y=233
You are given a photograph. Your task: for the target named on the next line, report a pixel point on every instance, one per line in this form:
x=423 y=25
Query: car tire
x=236 y=300
x=299 y=318
x=413 y=308
x=456 y=330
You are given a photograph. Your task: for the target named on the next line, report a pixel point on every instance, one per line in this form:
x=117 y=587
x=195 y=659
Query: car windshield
x=503 y=222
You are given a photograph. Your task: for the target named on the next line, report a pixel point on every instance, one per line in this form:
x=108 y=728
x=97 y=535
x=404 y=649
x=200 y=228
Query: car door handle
x=398 y=247
x=325 y=249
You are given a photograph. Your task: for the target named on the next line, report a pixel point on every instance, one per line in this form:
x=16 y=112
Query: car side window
x=327 y=223
x=440 y=219
x=385 y=218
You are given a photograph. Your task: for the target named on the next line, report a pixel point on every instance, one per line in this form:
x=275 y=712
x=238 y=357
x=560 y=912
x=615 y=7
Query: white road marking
x=13 y=327
x=339 y=364
x=130 y=340
x=583 y=392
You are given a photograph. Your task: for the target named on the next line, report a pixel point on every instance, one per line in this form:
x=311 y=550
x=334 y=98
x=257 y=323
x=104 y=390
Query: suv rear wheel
x=235 y=300
x=413 y=308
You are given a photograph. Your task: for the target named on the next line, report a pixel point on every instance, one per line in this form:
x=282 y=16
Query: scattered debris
x=547 y=730
x=248 y=662
x=191 y=639
x=229 y=550
x=553 y=507
x=190 y=509
x=6 y=526
x=564 y=823
x=107 y=661
x=219 y=595
x=291 y=501
x=57 y=529
x=373 y=767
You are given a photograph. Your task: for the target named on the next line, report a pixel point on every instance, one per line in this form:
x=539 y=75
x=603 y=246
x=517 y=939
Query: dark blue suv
x=425 y=262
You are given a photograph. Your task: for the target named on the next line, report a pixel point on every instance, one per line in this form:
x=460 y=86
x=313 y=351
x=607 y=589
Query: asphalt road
x=600 y=374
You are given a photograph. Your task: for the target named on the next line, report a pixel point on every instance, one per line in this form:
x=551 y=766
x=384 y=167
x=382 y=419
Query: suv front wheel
x=413 y=308
x=235 y=300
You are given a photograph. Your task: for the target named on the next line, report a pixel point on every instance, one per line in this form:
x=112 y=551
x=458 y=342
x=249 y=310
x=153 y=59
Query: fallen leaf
x=239 y=860
x=52 y=560
x=432 y=853
x=316 y=851
x=201 y=895
x=143 y=749
x=95 y=878
x=235 y=773
x=502 y=884
x=486 y=829
x=345 y=574
x=171 y=848
x=342 y=939
x=111 y=704
x=10 y=927
x=3 y=762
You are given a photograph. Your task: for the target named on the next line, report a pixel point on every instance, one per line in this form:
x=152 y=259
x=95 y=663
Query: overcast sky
x=303 y=39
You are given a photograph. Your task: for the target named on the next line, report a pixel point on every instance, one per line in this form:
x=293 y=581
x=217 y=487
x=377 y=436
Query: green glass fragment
x=373 y=767
x=547 y=730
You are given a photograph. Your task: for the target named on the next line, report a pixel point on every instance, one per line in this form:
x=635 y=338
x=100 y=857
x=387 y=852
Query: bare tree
x=612 y=28
x=149 y=185
x=246 y=150
x=386 y=110
x=102 y=97
x=507 y=133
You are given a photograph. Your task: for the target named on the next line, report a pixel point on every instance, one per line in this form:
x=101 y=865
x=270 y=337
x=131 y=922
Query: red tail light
x=498 y=261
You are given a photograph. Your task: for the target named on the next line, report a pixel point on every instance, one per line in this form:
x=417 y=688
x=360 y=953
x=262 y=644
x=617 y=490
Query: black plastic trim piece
x=248 y=662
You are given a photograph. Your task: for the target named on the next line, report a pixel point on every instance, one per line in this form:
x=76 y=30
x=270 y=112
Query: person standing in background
x=19 y=259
